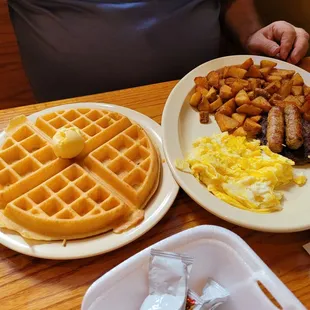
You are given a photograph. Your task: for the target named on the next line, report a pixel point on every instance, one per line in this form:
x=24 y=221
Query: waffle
x=106 y=187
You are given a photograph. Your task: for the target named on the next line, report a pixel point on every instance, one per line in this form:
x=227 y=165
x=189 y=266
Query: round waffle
x=106 y=187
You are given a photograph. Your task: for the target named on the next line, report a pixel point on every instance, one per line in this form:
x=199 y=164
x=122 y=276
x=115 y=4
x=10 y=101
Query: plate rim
x=171 y=127
x=154 y=131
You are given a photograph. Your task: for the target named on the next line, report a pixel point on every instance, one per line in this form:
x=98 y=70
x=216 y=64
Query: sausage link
x=275 y=129
x=293 y=127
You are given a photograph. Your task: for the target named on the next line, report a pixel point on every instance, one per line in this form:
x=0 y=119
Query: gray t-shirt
x=76 y=47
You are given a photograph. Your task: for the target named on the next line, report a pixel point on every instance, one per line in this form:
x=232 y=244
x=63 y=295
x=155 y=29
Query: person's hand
x=280 y=39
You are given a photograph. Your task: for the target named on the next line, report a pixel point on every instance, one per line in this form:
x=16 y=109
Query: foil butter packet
x=168 y=281
x=213 y=295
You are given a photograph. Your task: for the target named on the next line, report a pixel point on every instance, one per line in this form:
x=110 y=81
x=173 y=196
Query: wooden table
x=32 y=283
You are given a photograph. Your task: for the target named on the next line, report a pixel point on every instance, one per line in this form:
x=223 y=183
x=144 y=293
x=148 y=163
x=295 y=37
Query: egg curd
x=242 y=173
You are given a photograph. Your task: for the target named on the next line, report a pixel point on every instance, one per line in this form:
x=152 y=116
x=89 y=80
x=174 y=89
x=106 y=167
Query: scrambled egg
x=242 y=173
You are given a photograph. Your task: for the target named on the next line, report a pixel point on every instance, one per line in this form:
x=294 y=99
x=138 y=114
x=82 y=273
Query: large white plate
x=155 y=210
x=181 y=127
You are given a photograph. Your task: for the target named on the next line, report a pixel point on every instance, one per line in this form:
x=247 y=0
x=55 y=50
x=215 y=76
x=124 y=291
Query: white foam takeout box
x=218 y=253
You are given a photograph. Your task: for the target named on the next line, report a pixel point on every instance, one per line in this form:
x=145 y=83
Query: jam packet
x=213 y=295
x=168 y=281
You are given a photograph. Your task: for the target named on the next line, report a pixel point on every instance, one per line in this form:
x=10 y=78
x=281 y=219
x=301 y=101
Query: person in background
x=77 y=47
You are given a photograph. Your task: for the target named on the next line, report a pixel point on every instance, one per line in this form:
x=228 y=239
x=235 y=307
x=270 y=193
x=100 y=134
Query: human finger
x=284 y=33
x=301 y=46
x=259 y=44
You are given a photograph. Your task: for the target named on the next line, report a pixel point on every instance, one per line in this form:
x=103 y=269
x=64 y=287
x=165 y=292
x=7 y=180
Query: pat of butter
x=15 y=123
x=68 y=142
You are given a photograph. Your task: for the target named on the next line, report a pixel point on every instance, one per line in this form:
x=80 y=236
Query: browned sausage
x=293 y=127
x=275 y=129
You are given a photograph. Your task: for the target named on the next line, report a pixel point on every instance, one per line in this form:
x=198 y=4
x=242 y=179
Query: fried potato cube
x=272 y=78
x=301 y=99
x=285 y=80
x=306 y=90
x=265 y=71
x=221 y=82
x=228 y=108
x=211 y=95
x=225 y=122
x=279 y=103
x=253 y=83
x=297 y=90
x=266 y=84
x=242 y=98
x=272 y=88
x=202 y=90
x=291 y=98
x=262 y=103
x=195 y=99
x=285 y=89
x=267 y=64
x=204 y=117
x=239 y=117
x=260 y=83
x=226 y=92
x=306 y=107
x=201 y=81
x=213 y=79
x=251 y=95
x=204 y=105
x=297 y=80
x=240 y=132
x=220 y=73
x=244 y=82
x=249 y=110
x=261 y=92
x=229 y=81
x=247 y=64
x=253 y=72
x=278 y=83
x=256 y=118
x=225 y=71
x=252 y=127
x=236 y=86
x=235 y=72
x=215 y=104
x=275 y=97
x=285 y=74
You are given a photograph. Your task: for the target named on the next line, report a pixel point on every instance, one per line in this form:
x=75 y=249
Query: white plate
x=181 y=127
x=155 y=210
x=218 y=253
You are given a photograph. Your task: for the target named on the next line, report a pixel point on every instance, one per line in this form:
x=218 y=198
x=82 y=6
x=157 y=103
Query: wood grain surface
x=32 y=283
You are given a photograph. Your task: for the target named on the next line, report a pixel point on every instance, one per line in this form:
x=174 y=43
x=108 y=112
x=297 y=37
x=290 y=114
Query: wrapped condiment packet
x=213 y=296
x=193 y=301
x=214 y=293
x=168 y=281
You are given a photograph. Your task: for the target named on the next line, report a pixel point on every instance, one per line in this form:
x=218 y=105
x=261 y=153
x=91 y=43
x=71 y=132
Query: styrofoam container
x=218 y=253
